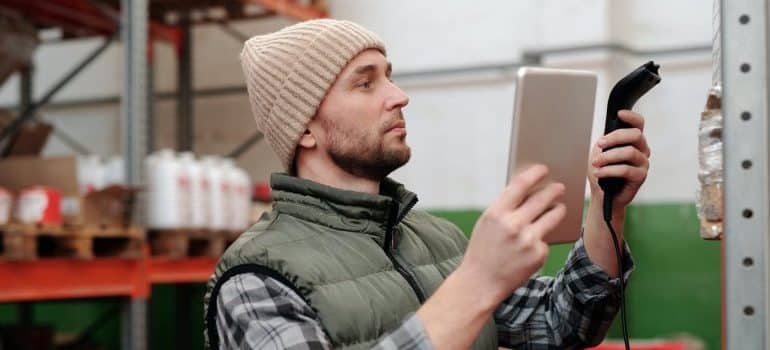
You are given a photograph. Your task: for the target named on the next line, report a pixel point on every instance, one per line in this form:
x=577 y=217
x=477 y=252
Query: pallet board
x=29 y=242
x=231 y=236
x=181 y=243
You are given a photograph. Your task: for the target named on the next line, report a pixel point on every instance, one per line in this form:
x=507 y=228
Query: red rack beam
x=82 y=18
x=290 y=8
x=189 y=270
x=49 y=279
x=648 y=345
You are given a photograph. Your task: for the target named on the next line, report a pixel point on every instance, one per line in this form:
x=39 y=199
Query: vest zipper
x=389 y=252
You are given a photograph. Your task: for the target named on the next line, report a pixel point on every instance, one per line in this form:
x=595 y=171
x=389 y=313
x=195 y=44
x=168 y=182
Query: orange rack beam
x=59 y=278
x=188 y=270
x=48 y=279
x=647 y=345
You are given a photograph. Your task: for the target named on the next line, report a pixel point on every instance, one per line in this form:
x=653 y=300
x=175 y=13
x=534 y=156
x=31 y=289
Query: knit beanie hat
x=288 y=73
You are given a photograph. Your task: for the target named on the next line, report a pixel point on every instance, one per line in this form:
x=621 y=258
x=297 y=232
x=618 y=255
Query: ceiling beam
x=291 y=9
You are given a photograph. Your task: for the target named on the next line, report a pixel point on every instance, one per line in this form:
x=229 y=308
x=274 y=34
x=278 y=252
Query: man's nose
x=397 y=98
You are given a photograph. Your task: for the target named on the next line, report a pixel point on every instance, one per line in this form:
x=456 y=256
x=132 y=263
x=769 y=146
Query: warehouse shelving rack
x=137 y=23
x=745 y=106
x=52 y=279
x=745 y=41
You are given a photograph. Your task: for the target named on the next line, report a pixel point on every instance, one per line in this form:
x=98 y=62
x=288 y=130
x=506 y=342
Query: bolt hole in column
x=747 y=213
x=748 y=262
x=748 y=311
x=745 y=67
x=744 y=19
x=745 y=116
x=746 y=164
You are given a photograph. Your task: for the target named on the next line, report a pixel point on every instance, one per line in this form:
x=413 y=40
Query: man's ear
x=307 y=140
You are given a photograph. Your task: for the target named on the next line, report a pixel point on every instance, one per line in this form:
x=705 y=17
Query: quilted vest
x=363 y=262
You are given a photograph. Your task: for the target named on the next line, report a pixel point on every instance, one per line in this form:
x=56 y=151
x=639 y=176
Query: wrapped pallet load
x=710 y=203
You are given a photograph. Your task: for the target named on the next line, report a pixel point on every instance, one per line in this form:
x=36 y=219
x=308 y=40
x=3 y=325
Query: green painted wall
x=675 y=288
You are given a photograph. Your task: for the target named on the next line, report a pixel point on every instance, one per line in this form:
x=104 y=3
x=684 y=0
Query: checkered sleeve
x=258 y=312
x=572 y=310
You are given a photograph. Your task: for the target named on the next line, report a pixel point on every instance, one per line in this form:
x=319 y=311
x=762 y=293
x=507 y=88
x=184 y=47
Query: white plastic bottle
x=90 y=172
x=243 y=191
x=195 y=215
x=114 y=172
x=240 y=198
x=214 y=192
x=163 y=191
x=230 y=192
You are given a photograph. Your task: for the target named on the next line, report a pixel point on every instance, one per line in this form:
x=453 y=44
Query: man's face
x=359 y=123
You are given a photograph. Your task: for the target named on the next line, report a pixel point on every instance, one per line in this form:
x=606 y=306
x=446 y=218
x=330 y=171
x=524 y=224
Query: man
x=343 y=261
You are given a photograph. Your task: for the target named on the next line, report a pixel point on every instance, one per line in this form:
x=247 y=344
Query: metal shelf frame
x=129 y=279
x=27 y=282
x=747 y=307
x=51 y=279
x=133 y=32
x=746 y=88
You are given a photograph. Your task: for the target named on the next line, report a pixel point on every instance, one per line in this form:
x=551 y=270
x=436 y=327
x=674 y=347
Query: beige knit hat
x=288 y=73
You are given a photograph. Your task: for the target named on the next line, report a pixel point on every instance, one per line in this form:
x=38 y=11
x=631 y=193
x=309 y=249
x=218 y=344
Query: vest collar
x=343 y=209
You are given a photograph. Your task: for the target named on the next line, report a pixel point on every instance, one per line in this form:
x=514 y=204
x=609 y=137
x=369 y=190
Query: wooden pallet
x=231 y=236
x=182 y=243
x=29 y=242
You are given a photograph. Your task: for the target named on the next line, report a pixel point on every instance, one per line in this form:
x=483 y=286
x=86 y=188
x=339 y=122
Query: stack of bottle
x=95 y=173
x=184 y=192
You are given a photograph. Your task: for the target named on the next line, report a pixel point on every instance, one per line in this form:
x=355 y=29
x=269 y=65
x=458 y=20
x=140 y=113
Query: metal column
x=134 y=99
x=133 y=128
x=150 y=84
x=744 y=41
x=133 y=325
x=184 y=119
x=185 y=127
x=25 y=87
x=26 y=309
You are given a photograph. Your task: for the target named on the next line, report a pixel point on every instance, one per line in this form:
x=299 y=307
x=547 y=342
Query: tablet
x=552 y=121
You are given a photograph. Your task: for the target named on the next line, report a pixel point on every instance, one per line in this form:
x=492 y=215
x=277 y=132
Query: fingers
x=628 y=172
x=634 y=119
x=539 y=202
x=548 y=221
x=631 y=136
x=626 y=154
x=520 y=185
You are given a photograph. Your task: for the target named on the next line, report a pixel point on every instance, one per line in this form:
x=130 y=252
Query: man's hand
x=507 y=247
x=635 y=154
x=505 y=250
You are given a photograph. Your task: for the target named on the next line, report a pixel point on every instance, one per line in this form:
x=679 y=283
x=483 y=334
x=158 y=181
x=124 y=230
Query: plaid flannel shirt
x=574 y=309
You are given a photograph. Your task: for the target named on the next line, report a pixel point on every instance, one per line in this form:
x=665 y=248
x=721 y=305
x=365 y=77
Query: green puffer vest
x=363 y=262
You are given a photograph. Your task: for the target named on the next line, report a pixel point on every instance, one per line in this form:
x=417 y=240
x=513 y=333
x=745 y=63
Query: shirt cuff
x=587 y=278
x=411 y=335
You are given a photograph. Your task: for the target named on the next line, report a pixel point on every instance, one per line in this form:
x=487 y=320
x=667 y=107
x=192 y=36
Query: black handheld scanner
x=624 y=95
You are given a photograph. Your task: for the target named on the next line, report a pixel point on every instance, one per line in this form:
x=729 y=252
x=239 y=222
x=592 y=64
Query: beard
x=363 y=152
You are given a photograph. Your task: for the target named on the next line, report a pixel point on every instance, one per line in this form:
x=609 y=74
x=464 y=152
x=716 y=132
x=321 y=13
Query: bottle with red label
x=39 y=205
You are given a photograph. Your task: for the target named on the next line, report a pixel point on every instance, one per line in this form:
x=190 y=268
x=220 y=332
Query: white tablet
x=552 y=121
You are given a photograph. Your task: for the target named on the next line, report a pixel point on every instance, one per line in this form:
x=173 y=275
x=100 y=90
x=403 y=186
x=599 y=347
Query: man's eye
x=365 y=85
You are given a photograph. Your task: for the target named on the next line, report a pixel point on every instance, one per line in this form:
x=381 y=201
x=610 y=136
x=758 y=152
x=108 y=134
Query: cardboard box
x=29 y=140
x=109 y=207
x=112 y=206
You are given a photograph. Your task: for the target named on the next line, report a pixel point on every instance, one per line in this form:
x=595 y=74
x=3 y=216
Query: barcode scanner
x=624 y=95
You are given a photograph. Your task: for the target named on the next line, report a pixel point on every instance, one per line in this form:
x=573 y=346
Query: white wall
x=458 y=124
